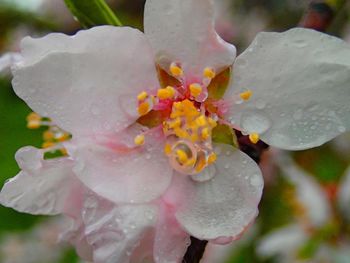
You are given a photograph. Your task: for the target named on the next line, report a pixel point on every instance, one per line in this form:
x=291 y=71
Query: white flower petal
x=284 y=241
x=223 y=207
x=7 y=60
x=183 y=31
x=171 y=242
x=344 y=194
x=87 y=83
x=300 y=84
x=115 y=232
x=40 y=188
x=308 y=192
x=136 y=175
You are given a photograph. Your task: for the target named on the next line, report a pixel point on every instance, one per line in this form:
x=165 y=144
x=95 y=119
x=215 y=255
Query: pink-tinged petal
x=135 y=175
x=171 y=241
x=87 y=83
x=284 y=241
x=183 y=31
x=75 y=235
x=115 y=232
x=344 y=194
x=222 y=208
x=42 y=187
x=308 y=192
x=300 y=85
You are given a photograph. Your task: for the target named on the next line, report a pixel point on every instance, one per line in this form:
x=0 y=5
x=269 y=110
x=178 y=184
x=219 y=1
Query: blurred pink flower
x=129 y=199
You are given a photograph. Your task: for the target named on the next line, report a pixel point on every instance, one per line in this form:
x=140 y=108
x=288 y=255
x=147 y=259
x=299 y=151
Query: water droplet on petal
x=255 y=121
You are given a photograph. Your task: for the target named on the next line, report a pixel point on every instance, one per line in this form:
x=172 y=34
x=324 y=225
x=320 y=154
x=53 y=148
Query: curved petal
x=183 y=31
x=135 y=175
x=308 y=192
x=284 y=241
x=344 y=194
x=300 y=84
x=222 y=208
x=42 y=187
x=171 y=241
x=87 y=83
x=6 y=62
x=115 y=232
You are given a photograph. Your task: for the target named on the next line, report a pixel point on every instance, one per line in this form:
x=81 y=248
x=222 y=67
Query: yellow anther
x=212 y=122
x=139 y=140
x=142 y=96
x=48 y=135
x=212 y=158
x=246 y=95
x=190 y=162
x=175 y=70
x=33 y=117
x=144 y=108
x=254 y=137
x=205 y=133
x=195 y=89
x=201 y=121
x=167 y=149
x=201 y=165
x=33 y=124
x=182 y=156
x=46 y=145
x=175 y=124
x=209 y=73
x=167 y=93
x=62 y=137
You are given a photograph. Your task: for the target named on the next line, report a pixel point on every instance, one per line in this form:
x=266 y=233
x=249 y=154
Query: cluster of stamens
x=53 y=137
x=188 y=126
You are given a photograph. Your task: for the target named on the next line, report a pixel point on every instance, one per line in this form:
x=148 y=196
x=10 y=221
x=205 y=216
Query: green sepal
x=224 y=134
x=219 y=85
x=92 y=13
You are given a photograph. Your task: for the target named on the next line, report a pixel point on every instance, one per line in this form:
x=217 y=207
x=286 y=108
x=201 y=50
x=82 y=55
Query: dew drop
x=260 y=104
x=255 y=121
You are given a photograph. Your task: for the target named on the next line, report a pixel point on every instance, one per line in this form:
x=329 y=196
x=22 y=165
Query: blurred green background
x=26 y=239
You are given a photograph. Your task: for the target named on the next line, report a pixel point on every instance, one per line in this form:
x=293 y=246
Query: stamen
x=212 y=158
x=254 y=137
x=246 y=95
x=144 y=108
x=209 y=73
x=205 y=134
x=139 y=140
x=167 y=149
x=176 y=70
x=167 y=93
x=142 y=96
x=182 y=156
x=195 y=89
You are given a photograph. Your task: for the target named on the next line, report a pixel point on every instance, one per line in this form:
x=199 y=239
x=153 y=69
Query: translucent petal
x=7 y=60
x=135 y=175
x=39 y=189
x=300 y=84
x=171 y=241
x=115 y=232
x=183 y=31
x=222 y=208
x=87 y=83
x=344 y=194
x=282 y=241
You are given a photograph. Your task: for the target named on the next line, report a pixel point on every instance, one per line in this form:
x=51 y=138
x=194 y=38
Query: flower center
x=188 y=124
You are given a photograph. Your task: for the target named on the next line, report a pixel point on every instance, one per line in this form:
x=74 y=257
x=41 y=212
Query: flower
x=321 y=217
x=143 y=171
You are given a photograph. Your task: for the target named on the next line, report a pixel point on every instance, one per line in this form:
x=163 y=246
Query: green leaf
x=92 y=13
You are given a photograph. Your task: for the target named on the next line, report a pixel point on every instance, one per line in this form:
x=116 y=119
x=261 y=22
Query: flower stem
x=195 y=251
